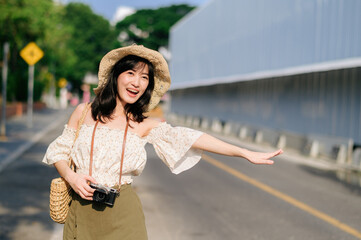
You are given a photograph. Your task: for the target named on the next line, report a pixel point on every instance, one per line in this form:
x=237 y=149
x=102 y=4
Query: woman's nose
x=136 y=81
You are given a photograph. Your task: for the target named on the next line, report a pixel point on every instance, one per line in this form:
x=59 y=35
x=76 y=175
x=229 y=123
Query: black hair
x=105 y=101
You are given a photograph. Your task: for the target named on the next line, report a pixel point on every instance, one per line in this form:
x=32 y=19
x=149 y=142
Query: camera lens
x=100 y=197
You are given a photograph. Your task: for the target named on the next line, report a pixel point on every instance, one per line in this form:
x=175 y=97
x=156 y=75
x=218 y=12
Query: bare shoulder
x=76 y=115
x=149 y=124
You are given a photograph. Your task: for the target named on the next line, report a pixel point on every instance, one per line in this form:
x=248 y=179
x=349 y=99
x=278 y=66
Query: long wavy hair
x=105 y=101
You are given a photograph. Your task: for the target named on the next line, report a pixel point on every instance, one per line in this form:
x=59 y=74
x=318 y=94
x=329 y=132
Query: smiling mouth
x=132 y=92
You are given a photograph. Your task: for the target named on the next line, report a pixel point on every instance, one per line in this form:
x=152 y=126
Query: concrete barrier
x=281 y=142
x=267 y=136
x=243 y=131
x=196 y=122
x=334 y=148
x=217 y=126
x=248 y=133
x=292 y=141
x=231 y=128
x=339 y=150
x=205 y=123
x=356 y=158
x=189 y=120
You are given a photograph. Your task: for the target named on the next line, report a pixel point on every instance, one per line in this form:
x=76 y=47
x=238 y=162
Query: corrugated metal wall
x=228 y=39
x=235 y=37
x=327 y=103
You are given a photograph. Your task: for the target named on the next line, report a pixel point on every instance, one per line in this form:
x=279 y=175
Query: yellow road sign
x=31 y=53
x=62 y=82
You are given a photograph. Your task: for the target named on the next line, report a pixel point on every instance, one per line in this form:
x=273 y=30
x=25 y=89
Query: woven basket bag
x=60 y=190
x=60 y=197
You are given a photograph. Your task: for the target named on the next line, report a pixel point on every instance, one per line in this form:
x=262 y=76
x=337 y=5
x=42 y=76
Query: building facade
x=287 y=65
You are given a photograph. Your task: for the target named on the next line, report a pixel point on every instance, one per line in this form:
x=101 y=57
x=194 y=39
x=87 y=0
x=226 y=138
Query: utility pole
x=4 y=86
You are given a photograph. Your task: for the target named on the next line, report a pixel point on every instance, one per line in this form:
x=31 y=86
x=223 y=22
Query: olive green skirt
x=90 y=220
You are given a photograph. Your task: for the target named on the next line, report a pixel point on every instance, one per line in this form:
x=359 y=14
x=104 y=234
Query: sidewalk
x=20 y=138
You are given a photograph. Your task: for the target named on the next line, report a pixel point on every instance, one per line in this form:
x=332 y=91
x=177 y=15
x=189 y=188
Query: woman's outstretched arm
x=214 y=145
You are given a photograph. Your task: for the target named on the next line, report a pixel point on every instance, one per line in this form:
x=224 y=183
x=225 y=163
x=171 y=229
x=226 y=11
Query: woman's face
x=133 y=83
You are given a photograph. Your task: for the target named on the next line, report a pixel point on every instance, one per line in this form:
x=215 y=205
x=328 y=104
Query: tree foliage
x=73 y=38
x=22 y=21
x=92 y=37
x=150 y=27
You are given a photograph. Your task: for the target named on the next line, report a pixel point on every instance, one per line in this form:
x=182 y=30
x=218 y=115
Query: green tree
x=150 y=27
x=21 y=22
x=73 y=38
x=92 y=37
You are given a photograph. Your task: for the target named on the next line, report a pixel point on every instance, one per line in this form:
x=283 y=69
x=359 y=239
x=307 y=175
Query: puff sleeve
x=60 y=148
x=173 y=146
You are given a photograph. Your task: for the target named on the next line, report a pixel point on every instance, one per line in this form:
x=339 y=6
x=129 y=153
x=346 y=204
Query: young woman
x=131 y=82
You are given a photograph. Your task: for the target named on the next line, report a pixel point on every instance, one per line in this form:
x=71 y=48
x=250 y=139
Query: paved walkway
x=20 y=138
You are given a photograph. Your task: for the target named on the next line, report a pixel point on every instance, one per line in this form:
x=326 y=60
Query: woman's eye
x=130 y=73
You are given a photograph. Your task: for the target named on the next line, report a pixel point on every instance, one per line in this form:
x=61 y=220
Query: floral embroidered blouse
x=172 y=145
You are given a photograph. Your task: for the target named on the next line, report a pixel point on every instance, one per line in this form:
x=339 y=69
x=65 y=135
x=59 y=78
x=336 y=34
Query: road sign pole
x=30 y=96
x=31 y=53
x=4 y=85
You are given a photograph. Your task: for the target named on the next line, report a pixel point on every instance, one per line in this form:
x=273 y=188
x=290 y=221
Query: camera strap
x=123 y=150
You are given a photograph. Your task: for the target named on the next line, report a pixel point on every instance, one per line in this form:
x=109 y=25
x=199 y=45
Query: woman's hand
x=79 y=183
x=214 y=145
x=261 y=158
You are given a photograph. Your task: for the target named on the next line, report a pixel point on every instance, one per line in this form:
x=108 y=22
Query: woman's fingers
x=273 y=154
x=85 y=194
x=89 y=189
x=90 y=179
x=263 y=158
x=80 y=194
x=82 y=188
x=264 y=161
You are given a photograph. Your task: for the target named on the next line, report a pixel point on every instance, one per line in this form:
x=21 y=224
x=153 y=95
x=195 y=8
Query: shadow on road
x=349 y=179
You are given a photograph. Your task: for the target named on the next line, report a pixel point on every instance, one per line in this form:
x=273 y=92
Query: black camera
x=104 y=194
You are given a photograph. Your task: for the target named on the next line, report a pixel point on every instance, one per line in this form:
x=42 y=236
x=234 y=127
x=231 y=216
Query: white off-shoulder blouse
x=172 y=145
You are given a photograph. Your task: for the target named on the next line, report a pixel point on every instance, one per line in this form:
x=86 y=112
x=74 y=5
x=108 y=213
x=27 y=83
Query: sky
x=115 y=10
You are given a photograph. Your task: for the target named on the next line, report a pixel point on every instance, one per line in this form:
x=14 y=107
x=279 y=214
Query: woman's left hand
x=261 y=158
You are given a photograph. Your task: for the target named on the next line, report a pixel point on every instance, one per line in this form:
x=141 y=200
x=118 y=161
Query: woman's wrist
x=244 y=153
x=69 y=175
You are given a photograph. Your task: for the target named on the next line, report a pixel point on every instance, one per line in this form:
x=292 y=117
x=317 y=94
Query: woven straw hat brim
x=161 y=71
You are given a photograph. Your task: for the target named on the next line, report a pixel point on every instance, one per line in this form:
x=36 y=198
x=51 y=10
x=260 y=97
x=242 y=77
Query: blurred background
x=263 y=74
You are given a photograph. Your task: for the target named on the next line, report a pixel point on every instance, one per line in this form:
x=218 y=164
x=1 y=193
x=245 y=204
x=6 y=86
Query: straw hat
x=161 y=71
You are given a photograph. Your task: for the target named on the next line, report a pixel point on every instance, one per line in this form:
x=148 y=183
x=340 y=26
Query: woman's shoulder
x=149 y=124
x=76 y=115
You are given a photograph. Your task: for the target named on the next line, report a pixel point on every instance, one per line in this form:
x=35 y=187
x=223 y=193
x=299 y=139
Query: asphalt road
x=24 y=194
x=283 y=201
x=210 y=203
